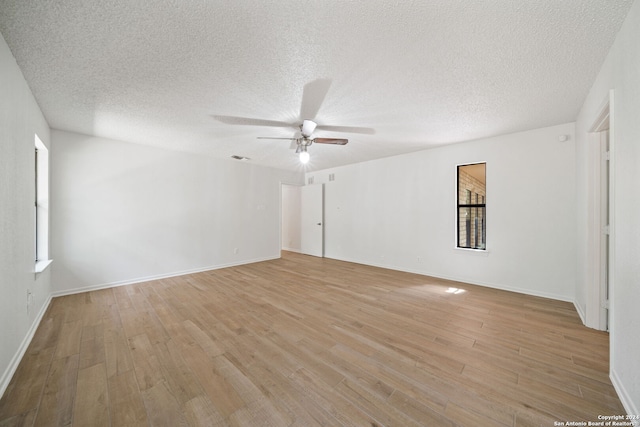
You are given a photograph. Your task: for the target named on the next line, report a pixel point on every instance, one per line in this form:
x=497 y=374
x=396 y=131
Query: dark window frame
x=480 y=236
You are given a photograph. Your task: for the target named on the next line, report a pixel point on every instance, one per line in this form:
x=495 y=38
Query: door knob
x=319 y=223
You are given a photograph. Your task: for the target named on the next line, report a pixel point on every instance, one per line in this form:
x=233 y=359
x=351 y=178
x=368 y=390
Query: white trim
x=292 y=250
x=42 y=265
x=581 y=313
x=41 y=225
x=467 y=280
x=624 y=397
x=470 y=251
x=157 y=277
x=595 y=317
x=17 y=358
x=601 y=122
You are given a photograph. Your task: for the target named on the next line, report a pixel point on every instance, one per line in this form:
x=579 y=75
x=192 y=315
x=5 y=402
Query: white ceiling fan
x=306 y=129
x=312 y=97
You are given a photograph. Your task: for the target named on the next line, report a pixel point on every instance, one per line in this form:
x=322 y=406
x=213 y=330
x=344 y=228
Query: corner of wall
x=7 y=375
x=625 y=398
x=581 y=312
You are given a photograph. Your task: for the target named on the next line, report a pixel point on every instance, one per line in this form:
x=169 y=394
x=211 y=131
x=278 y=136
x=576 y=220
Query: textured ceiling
x=419 y=73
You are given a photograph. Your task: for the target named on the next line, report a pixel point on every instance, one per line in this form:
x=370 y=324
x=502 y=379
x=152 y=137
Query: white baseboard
x=156 y=277
x=581 y=313
x=292 y=250
x=17 y=358
x=626 y=400
x=531 y=292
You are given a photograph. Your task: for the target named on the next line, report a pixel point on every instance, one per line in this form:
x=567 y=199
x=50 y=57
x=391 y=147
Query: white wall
x=400 y=213
x=620 y=72
x=20 y=120
x=291 y=225
x=125 y=212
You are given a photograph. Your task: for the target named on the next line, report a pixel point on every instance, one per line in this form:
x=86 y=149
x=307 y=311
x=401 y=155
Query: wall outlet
x=236 y=250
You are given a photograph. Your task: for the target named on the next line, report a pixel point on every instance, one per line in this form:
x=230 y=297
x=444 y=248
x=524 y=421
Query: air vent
x=332 y=177
x=240 y=157
x=310 y=180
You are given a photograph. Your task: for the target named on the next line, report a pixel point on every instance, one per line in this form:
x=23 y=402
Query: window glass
x=472 y=208
x=41 y=205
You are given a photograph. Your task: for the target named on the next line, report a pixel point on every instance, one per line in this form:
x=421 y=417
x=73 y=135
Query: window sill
x=42 y=265
x=477 y=252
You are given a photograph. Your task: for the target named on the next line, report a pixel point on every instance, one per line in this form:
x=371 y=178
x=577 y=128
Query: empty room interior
x=302 y=213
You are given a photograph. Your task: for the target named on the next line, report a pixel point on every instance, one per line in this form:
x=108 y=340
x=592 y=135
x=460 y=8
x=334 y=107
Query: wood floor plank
x=338 y=406
x=418 y=411
x=70 y=337
x=306 y=341
x=25 y=389
x=179 y=377
x=92 y=398
x=202 y=339
x=161 y=406
x=199 y=411
x=48 y=332
x=220 y=391
x=262 y=411
x=22 y=420
x=378 y=409
x=56 y=407
x=92 y=349
x=145 y=362
x=126 y=407
x=117 y=354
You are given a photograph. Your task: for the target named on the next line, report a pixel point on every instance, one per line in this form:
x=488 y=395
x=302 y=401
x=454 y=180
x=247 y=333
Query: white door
x=313 y=220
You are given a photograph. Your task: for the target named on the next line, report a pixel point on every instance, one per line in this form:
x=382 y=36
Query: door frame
x=282 y=184
x=600 y=266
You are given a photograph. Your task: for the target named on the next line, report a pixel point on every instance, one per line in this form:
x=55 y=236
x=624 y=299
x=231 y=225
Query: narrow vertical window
x=41 y=206
x=472 y=208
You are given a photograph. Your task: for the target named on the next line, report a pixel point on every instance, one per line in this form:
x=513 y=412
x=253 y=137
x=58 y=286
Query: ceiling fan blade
x=348 y=129
x=313 y=96
x=336 y=141
x=274 y=137
x=248 y=121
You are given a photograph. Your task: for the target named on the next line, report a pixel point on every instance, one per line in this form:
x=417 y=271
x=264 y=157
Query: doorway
x=605 y=226
x=290 y=218
x=600 y=140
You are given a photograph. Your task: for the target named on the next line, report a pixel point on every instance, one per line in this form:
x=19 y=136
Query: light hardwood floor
x=304 y=341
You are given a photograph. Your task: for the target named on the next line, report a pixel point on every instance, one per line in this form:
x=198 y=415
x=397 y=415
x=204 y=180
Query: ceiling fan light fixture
x=307 y=127
x=303 y=154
